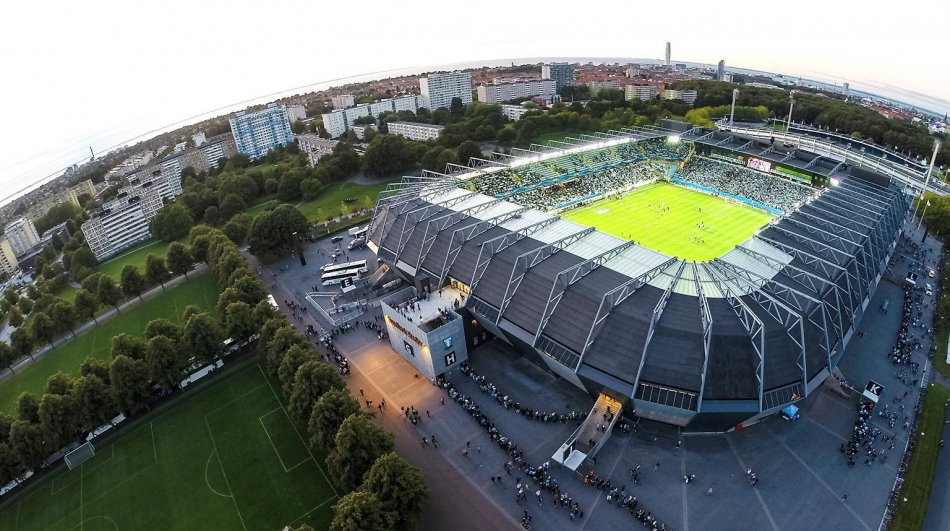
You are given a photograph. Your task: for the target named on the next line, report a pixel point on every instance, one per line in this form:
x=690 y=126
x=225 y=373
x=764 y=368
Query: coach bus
x=331 y=268
x=337 y=277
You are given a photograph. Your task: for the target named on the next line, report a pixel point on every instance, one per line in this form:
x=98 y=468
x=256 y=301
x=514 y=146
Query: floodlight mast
x=732 y=113
x=930 y=169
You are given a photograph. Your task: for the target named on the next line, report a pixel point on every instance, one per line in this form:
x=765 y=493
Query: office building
x=514 y=112
x=343 y=101
x=441 y=88
x=561 y=73
x=124 y=221
x=258 y=132
x=687 y=96
x=415 y=131
x=315 y=147
x=22 y=236
x=8 y=261
x=542 y=89
x=640 y=92
x=721 y=70
x=668 y=53
x=339 y=121
x=296 y=112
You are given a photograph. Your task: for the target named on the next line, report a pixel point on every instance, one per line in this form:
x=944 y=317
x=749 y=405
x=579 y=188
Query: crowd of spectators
x=603 y=182
x=737 y=180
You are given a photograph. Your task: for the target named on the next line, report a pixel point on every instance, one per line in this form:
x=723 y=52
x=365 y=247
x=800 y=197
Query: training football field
x=674 y=220
x=224 y=457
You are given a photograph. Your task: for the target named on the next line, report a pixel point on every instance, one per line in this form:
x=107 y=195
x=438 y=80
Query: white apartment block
x=544 y=89
x=123 y=222
x=341 y=120
x=415 y=131
x=360 y=130
x=688 y=96
x=597 y=86
x=343 y=101
x=8 y=261
x=440 y=89
x=640 y=92
x=296 y=112
x=514 y=112
x=315 y=147
x=199 y=138
x=22 y=236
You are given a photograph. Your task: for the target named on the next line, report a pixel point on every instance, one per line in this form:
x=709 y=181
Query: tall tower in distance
x=668 y=53
x=721 y=71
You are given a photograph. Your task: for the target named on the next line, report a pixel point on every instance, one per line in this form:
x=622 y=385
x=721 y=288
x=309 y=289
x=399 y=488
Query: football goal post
x=80 y=455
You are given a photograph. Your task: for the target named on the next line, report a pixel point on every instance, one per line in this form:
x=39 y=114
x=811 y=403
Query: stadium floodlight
x=834 y=181
x=80 y=455
x=673 y=139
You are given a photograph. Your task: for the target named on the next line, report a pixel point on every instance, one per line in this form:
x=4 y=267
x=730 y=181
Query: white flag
x=928 y=202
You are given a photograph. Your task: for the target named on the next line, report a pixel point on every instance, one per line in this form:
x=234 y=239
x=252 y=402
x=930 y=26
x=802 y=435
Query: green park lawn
x=223 y=455
x=331 y=201
x=673 y=231
x=918 y=481
x=97 y=342
x=113 y=266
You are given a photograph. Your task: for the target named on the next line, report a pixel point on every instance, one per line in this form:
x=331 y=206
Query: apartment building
x=441 y=88
x=415 y=131
x=256 y=133
x=543 y=89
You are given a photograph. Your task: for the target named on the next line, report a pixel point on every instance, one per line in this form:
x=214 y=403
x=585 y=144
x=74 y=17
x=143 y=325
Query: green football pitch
x=674 y=220
x=225 y=456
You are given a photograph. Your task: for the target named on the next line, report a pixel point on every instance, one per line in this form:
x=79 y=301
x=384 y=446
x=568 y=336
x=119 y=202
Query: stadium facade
x=706 y=346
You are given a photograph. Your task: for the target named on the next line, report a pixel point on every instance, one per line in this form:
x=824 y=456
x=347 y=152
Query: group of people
x=740 y=181
x=863 y=437
x=506 y=402
x=544 y=484
x=622 y=499
x=618 y=179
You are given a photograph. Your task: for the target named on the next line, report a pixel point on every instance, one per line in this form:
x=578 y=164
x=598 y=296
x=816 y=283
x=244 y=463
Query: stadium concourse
x=704 y=345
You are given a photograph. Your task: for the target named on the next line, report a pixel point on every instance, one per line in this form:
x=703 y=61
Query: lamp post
x=732 y=113
x=297 y=248
x=933 y=159
x=791 y=107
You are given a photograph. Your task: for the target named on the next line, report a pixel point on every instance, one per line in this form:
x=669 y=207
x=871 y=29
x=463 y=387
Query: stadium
x=698 y=277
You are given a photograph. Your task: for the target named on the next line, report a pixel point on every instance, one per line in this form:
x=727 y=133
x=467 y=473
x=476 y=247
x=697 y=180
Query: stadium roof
x=751 y=330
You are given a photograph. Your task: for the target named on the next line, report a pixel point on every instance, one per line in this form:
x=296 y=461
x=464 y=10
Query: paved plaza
x=805 y=481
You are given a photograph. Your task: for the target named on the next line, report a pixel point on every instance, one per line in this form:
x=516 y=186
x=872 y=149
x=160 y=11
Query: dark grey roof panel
x=730 y=372
x=495 y=279
x=618 y=348
x=676 y=354
x=575 y=313
x=528 y=304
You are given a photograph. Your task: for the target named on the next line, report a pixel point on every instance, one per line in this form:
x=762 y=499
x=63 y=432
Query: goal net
x=80 y=455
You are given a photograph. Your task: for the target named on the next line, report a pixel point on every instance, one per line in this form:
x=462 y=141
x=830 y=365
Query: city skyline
x=94 y=93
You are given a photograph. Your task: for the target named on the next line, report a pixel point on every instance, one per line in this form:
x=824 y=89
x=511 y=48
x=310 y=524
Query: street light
x=791 y=107
x=297 y=248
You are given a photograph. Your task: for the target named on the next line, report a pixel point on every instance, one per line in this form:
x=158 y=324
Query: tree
x=94 y=402
x=133 y=283
x=506 y=136
x=399 y=486
x=436 y=158
x=64 y=316
x=313 y=379
x=6 y=357
x=155 y=270
x=22 y=342
x=162 y=327
x=28 y=407
x=327 y=416
x=43 y=328
x=238 y=322
x=359 y=511
x=172 y=222
x=311 y=188
x=273 y=232
x=467 y=150
x=357 y=445
x=231 y=205
x=129 y=346
x=202 y=337
x=388 y=154
x=284 y=339
x=129 y=383
x=60 y=383
x=164 y=361
x=85 y=305
x=288 y=188
x=293 y=359
x=250 y=289
x=58 y=417
x=212 y=216
x=15 y=317
x=107 y=292
x=28 y=443
x=456 y=108
x=95 y=367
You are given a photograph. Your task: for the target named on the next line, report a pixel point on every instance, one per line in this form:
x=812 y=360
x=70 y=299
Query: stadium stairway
x=578 y=446
x=377 y=275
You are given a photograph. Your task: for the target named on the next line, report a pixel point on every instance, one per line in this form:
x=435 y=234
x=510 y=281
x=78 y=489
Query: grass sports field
x=97 y=342
x=664 y=217
x=225 y=456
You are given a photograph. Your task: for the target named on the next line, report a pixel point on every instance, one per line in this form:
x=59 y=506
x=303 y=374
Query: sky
x=98 y=73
